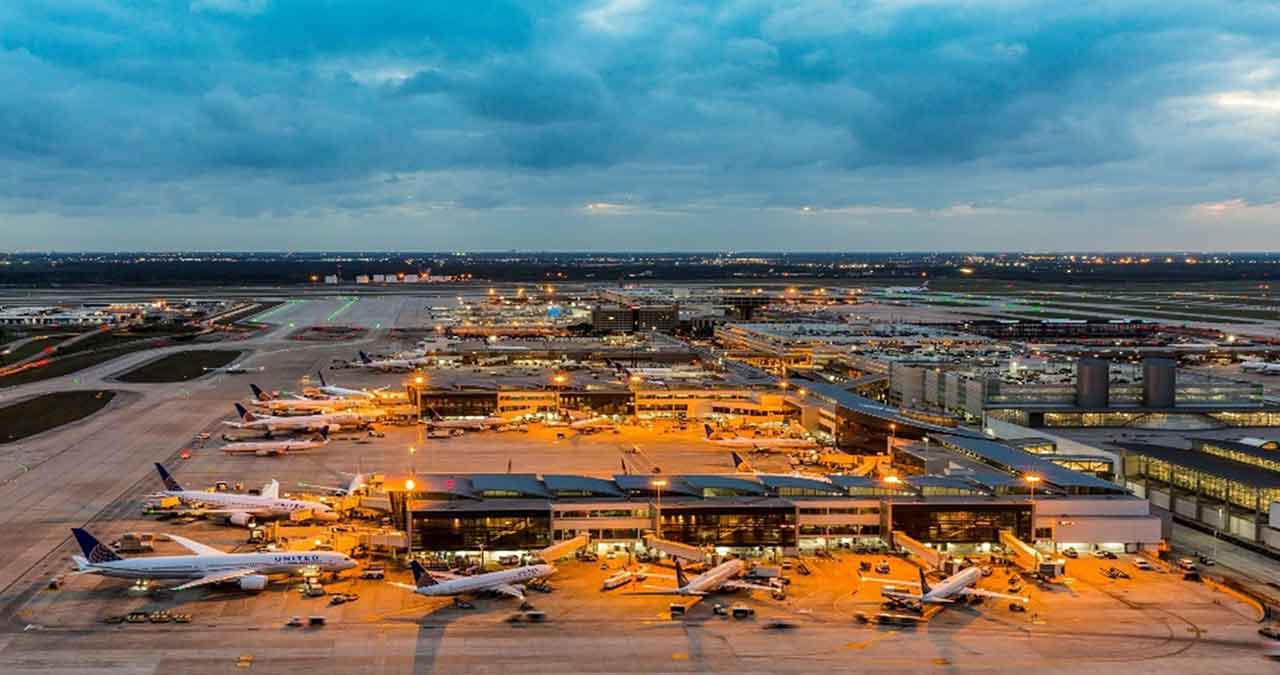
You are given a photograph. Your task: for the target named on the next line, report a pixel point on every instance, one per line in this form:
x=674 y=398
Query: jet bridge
x=675 y=549
x=931 y=557
x=1023 y=554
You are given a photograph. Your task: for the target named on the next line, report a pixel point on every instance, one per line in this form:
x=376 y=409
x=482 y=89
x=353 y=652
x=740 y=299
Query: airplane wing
x=195 y=546
x=508 y=589
x=891 y=582
x=992 y=594
x=735 y=585
x=407 y=587
x=216 y=578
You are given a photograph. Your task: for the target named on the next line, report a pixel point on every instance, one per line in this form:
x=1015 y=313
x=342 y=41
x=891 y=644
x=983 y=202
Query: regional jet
x=235 y=369
x=274 y=403
x=960 y=584
x=722 y=577
x=507 y=582
x=242 y=509
x=334 y=391
x=391 y=365
x=207 y=565
x=332 y=421
x=276 y=448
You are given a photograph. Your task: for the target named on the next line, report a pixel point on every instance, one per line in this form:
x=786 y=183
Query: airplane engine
x=241 y=519
x=253 y=582
x=324 y=515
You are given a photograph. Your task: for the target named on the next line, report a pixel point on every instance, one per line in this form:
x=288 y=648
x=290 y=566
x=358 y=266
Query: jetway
x=931 y=557
x=563 y=549
x=675 y=549
x=1023 y=554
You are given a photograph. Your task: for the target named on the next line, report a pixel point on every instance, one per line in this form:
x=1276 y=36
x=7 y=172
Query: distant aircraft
x=722 y=577
x=335 y=391
x=1260 y=367
x=468 y=424
x=507 y=582
x=391 y=365
x=235 y=369
x=758 y=443
x=357 y=483
x=597 y=423
x=276 y=404
x=241 y=509
x=331 y=422
x=960 y=584
x=922 y=288
x=276 y=448
x=206 y=565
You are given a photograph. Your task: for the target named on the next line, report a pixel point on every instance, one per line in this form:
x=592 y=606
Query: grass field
x=181 y=366
x=68 y=364
x=31 y=348
x=42 y=413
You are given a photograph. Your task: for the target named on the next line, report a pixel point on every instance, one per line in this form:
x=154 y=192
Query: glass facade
x=495 y=530
x=974 y=523
x=737 y=527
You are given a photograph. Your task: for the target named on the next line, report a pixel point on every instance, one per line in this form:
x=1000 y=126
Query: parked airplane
x=922 y=288
x=357 y=483
x=507 y=582
x=1260 y=367
x=766 y=443
x=283 y=447
x=962 y=584
x=344 y=392
x=235 y=369
x=242 y=509
x=722 y=577
x=206 y=565
x=468 y=424
x=332 y=421
x=597 y=423
x=391 y=365
x=276 y=404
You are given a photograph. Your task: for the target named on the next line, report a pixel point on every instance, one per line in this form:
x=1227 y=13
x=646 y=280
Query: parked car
x=1070 y=553
x=1143 y=565
x=1187 y=564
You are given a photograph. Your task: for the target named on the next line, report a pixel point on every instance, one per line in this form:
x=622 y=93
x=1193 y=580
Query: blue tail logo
x=681 y=579
x=94 y=550
x=421 y=578
x=322 y=382
x=364 y=358
x=258 y=393
x=169 y=483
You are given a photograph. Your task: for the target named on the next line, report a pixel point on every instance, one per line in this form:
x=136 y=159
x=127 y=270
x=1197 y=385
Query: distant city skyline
x=632 y=125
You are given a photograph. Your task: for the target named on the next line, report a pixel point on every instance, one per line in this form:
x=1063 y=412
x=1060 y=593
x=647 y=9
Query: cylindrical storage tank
x=1159 y=381
x=1093 y=383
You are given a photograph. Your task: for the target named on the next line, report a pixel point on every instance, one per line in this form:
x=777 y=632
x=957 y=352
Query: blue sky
x=636 y=124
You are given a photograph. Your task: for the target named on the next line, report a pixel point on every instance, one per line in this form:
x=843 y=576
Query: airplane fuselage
x=198 y=566
x=485 y=582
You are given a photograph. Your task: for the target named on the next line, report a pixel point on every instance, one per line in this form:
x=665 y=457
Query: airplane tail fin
x=324 y=433
x=168 y=480
x=322 y=382
x=421 y=578
x=245 y=415
x=271 y=490
x=435 y=416
x=681 y=579
x=508 y=465
x=364 y=358
x=259 y=394
x=357 y=482
x=707 y=429
x=740 y=465
x=94 y=550
x=924 y=584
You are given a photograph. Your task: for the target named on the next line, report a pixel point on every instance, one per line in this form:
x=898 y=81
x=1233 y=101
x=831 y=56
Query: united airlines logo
x=102 y=554
x=297 y=559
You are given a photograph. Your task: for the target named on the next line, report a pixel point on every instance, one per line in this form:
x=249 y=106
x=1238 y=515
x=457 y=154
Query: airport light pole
x=1032 y=479
x=658 y=484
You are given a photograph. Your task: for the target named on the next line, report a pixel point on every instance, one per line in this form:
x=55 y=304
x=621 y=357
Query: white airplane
x=275 y=448
x=758 y=443
x=240 y=509
x=276 y=404
x=594 y=423
x=235 y=369
x=722 y=577
x=960 y=584
x=922 y=288
x=1260 y=367
x=391 y=365
x=206 y=565
x=335 y=391
x=357 y=483
x=466 y=424
x=332 y=421
x=507 y=582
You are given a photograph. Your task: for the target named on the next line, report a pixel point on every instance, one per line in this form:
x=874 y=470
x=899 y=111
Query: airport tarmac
x=96 y=472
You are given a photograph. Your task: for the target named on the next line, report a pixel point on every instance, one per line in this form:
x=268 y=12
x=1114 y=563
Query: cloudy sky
x=639 y=124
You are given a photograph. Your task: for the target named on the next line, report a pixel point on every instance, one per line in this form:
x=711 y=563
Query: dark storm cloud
x=469 y=124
